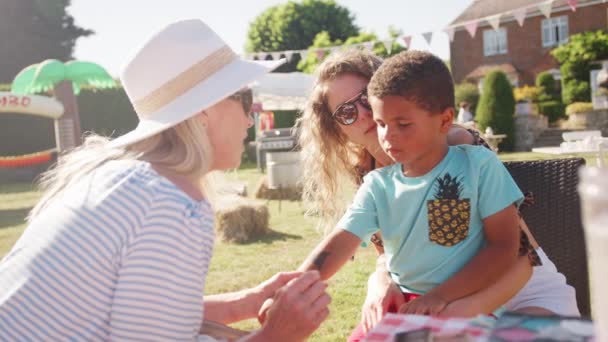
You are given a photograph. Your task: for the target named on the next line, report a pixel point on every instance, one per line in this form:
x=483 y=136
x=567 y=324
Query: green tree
x=35 y=30
x=322 y=40
x=294 y=26
x=575 y=58
x=548 y=88
x=496 y=107
x=466 y=92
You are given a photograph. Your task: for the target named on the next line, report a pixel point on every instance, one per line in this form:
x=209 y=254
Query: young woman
x=340 y=144
x=119 y=245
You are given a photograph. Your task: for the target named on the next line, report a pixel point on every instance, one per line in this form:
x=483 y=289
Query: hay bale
x=240 y=219
x=263 y=192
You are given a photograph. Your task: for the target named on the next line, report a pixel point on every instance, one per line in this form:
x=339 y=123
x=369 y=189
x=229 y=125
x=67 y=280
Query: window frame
x=554 y=31
x=495 y=42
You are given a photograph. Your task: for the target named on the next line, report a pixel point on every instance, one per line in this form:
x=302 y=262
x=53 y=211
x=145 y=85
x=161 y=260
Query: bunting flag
x=471 y=28
x=450 y=32
x=494 y=21
x=428 y=36
x=520 y=15
x=545 y=8
x=320 y=54
x=388 y=45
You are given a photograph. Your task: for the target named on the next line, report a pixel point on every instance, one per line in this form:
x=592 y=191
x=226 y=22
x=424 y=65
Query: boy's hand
x=428 y=304
x=382 y=295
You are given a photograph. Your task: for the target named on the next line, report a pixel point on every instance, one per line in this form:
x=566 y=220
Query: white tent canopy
x=282 y=91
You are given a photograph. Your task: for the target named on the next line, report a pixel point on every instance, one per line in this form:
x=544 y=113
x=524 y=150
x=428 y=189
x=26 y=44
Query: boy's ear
x=447 y=118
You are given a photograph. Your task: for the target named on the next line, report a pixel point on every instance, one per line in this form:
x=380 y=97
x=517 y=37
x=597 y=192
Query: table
x=561 y=152
x=509 y=327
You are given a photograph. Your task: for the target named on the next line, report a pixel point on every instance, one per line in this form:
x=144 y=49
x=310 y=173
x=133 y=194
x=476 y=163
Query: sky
x=122 y=25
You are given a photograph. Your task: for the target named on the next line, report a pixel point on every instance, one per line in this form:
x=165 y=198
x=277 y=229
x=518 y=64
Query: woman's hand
x=298 y=309
x=382 y=295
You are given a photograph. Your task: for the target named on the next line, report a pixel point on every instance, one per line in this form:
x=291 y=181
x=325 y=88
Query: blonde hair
x=184 y=149
x=328 y=156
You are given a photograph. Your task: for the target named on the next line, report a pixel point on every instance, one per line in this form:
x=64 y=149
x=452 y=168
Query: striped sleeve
x=159 y=292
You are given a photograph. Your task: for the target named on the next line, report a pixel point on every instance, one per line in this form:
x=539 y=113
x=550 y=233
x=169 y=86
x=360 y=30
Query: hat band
x=183 y=82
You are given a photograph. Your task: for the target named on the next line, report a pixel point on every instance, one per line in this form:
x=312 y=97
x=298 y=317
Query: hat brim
x=212 y=90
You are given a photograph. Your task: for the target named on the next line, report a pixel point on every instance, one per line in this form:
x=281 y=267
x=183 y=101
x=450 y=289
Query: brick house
x=521 y=52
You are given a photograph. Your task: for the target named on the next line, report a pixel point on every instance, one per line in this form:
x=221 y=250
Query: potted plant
x=526 y=96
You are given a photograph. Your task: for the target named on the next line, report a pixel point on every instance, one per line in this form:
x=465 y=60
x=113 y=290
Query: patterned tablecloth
x=477 y=329
x=510 y=327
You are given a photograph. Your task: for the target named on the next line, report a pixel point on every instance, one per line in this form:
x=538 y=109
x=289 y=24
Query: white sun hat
x=182 y=70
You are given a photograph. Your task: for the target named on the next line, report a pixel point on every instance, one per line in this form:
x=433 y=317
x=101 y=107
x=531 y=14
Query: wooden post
x=67 y=127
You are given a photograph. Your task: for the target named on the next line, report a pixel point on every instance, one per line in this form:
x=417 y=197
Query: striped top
x=123 y=255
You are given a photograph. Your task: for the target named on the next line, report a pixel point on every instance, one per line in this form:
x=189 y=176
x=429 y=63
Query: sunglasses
x=347 y=113
x=245 y=97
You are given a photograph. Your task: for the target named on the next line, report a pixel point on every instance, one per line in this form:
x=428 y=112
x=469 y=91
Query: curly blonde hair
x=328 y=156
x=184 y=148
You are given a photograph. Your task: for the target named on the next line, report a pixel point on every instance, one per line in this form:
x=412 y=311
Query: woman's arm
x=232 y=307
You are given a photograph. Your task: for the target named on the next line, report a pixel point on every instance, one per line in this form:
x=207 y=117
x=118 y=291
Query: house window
x=495 y=42
x=555 y=31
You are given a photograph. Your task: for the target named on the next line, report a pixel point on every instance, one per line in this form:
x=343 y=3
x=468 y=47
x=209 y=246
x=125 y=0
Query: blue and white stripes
x=122 y=255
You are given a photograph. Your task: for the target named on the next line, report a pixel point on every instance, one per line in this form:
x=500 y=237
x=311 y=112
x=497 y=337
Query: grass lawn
x=235 y=267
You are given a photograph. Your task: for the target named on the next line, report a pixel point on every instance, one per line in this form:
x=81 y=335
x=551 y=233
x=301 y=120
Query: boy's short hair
x=464 y=104
x=418 y=76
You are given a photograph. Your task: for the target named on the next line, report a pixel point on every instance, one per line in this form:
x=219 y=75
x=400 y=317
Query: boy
x=446 y=214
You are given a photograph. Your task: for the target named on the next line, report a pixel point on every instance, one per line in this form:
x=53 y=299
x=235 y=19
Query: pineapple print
x=448 y=215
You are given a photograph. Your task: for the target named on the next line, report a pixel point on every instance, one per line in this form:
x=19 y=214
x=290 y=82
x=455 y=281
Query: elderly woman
x=119 y=246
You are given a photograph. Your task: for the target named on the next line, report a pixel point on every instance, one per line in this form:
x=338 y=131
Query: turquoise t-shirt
x=432 y=225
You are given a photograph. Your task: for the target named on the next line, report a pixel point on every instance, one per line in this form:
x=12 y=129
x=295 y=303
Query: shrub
x=579 y=107
x=547 y=87
x=467 y=92
x=497 y=106
x=553 y=110
x=575 y=58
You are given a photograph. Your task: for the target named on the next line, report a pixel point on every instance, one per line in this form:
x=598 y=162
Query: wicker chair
x=555 y=218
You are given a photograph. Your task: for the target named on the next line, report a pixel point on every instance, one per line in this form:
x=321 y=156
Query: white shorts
x=546 y=289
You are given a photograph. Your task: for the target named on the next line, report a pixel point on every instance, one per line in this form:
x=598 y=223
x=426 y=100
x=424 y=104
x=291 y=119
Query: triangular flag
x=572 y=4
x=428 y=36
x=494 y=21
x=471 y=28
x=388 y=45
x=450 y=32
x=320 y=54
x=545 y=8
x=407 y=40
x=520 y=15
